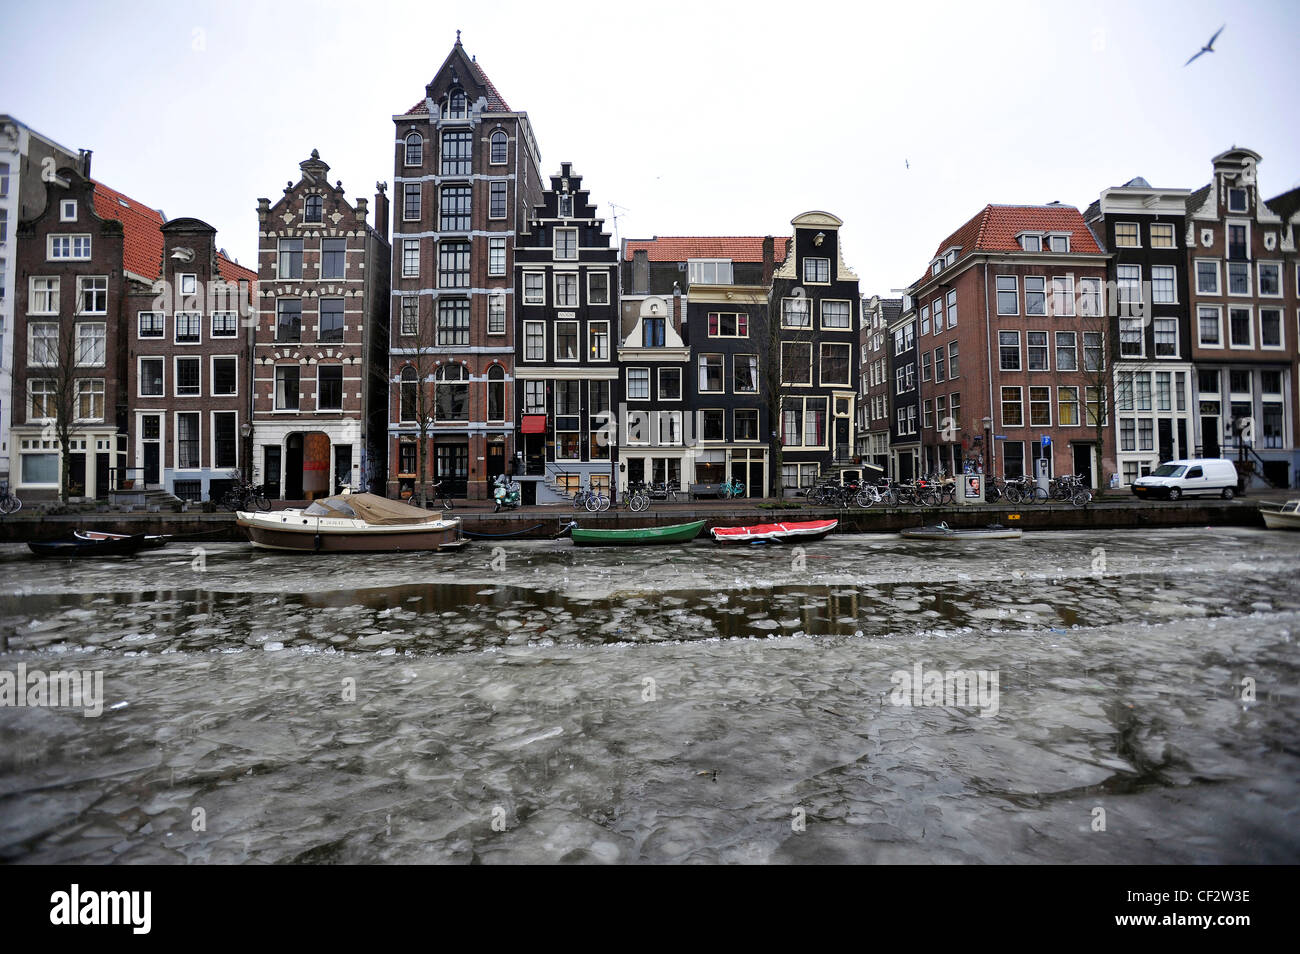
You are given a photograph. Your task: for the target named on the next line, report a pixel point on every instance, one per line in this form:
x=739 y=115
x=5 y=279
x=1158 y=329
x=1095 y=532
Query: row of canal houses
x=487 y=324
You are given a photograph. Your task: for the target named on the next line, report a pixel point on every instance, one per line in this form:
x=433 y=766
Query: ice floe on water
x=694 y=704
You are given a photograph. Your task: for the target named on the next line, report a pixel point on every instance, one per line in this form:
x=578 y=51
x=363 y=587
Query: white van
x=1185 y=478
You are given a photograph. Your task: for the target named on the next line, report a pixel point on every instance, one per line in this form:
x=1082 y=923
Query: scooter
x=506 y=496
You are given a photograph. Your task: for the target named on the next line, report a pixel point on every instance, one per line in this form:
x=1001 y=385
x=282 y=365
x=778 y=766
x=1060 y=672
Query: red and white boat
x=775 y=532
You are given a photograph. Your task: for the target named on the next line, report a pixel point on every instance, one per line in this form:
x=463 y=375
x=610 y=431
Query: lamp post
x=246 y=431
x=988 y=446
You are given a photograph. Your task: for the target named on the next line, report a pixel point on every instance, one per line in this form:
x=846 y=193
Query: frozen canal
x=540 y=702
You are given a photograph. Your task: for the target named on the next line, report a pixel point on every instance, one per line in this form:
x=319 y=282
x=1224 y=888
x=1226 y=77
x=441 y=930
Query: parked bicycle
x=731 y=488
x=637 y=498
x=593 y=500
x=244 y=495
x=1024 y=490
x=870 y=494
x=9 y=503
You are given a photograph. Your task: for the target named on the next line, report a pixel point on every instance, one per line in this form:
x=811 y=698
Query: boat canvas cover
x=373 y=509
x=773 y=530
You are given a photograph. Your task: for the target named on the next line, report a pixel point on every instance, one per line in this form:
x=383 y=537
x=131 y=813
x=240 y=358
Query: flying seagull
x=1209 y=47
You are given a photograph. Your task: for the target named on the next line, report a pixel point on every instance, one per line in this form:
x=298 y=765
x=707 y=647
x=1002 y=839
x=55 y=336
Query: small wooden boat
x=1286 y=517
x=775 y=532
x=352 y=523
x=677 y=533
x=945 y=532
x=96 y=543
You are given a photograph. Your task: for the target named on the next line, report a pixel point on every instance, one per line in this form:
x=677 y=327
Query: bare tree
x=422 y=361
x=60 y=398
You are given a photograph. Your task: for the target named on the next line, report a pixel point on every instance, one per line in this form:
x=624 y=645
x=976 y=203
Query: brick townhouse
x=187 y=358
x=319 y=368
x=873 y=377
x=1011 y=333
x=1242 y=276
x=466 y=177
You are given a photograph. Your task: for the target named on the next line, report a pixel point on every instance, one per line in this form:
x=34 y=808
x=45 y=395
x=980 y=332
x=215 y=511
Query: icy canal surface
x=540 y=702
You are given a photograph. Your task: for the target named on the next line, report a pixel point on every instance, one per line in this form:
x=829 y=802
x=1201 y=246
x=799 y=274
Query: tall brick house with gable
x=187 y=360
x=1242 y=277
x=320 y=346
x=1012 y=332
x=466 y=177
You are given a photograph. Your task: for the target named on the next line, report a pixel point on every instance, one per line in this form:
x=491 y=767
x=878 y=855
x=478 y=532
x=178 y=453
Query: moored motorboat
x=352 y=523
x=945 y=532
x=1286 y=517
x=775 y=532
x=677 y=533
x=94 y=543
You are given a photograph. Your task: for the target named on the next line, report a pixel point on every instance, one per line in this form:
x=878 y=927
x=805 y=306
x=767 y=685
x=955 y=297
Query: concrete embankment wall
x=546 y=522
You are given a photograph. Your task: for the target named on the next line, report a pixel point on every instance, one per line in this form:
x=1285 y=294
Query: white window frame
x=82 y=281
x=591 y=273
x=76 y=400
x=998 y=292
x=139 y=326
x=50 y=294
x=629 y=395
x=505 y=199
x=1137 y=235
x=659 y=382
x=406 y=149
x=496 y=251
x=212 y=325
x=176 y=328
x=1151 y=234
x=103 y=341
x=556 y=248
x=410 y=263
x=495 y=299
x=1043 y=290
x=848 y=371
x=808 y=260
x=1250 y=323
x=176 y=377
x=795 y=384
x=722 y=373
x=577 y=342
x=1250 y=280
x=1281 y=328
x=848 y=305
x=491 y=146
x=1245 y=195
x=79 y=247
x=534 y=325
x=592 y=328
x=176 y=441
x=1020 y=401
x=67 y=210
x=212 y=439
x=139 y=375
x=409 y=189
x=567 y=276
x=1218 y=315
x=1024 y=240
x=1155 y=344
x=530 y=299
x=808 y=313
x=212 y=375
x=1196 y=276
x=1259 y=270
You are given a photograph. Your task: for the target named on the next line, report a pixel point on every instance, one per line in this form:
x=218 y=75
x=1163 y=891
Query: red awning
x=534 y=424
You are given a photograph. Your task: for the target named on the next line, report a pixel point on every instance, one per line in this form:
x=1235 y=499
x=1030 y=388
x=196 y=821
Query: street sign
x=999 y=437
x=1047 y=441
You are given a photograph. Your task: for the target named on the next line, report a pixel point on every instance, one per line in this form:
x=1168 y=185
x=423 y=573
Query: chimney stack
x=641 y=271
x=769 y=259
x=381 y=210
x=85 y=161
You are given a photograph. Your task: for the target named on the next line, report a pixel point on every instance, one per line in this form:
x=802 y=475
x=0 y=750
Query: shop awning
x=533 y=424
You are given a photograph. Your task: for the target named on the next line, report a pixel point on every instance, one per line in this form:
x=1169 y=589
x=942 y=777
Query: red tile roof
x=143 y=245
x=234 y=272
x=995 y=227
x=679 y=248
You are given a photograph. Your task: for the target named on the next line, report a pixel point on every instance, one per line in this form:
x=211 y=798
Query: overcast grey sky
x=697 y=118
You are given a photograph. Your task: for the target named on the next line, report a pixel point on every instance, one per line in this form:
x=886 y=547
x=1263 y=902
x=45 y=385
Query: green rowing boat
x=678 y=533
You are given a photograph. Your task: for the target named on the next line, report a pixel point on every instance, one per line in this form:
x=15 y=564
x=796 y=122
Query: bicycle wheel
x=639 y=503
x=864 y=500
x=602 y=502
x=1012 y=493
x=1040 y=495
x=447 y=504
x=591 y=503
x=261 y=501
x=1082 y=498
x=7 y=505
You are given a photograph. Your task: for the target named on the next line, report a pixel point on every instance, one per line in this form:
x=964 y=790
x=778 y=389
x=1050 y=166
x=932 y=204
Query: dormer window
x=1059 y=243
x=68 y=210
x=566 y=207
x=414 y=149
x=936 y=267
x=708 y=271
x=1237 y=200
x=456 y=104
x=315 y=208
x=1031 y=243
x=950 y=259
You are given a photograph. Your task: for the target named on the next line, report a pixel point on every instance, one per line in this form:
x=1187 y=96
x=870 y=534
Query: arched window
x=456 y=104
x=500 y=145
x=408 y=391
x=315 y=208
x=414 y=149
x=451 y=393
x=496 y=410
